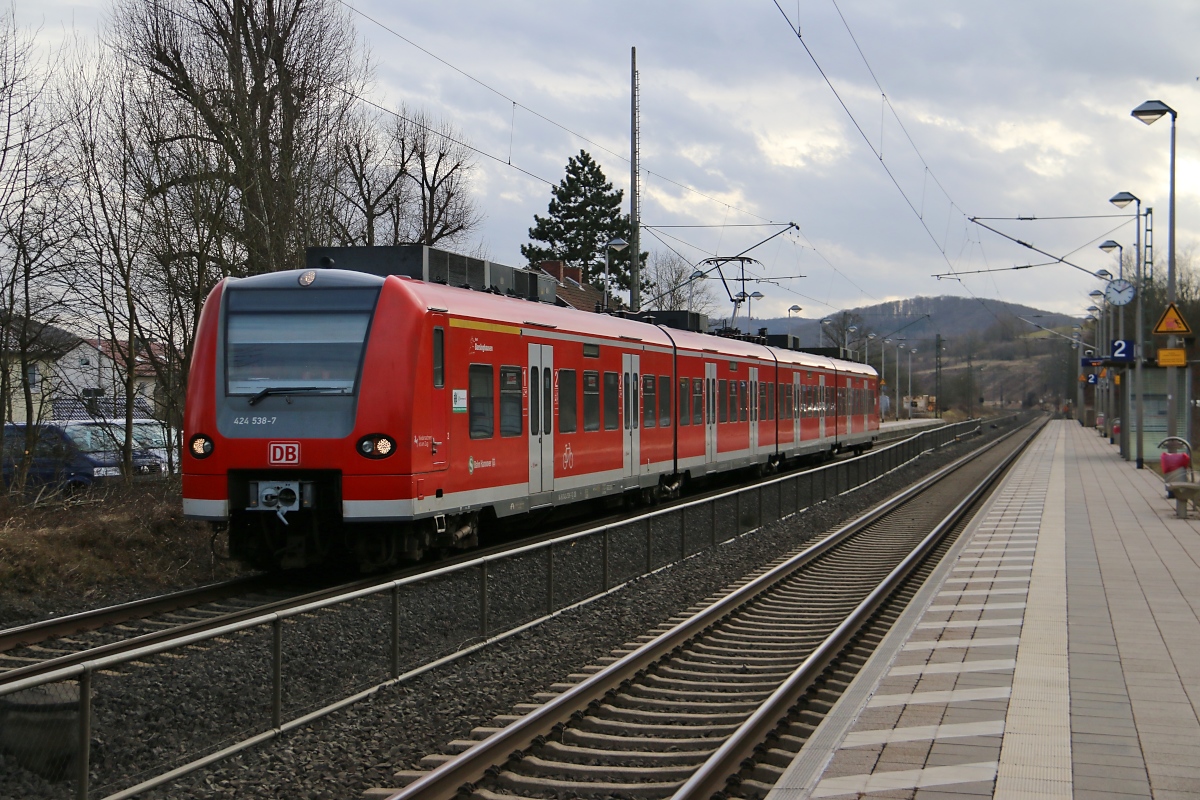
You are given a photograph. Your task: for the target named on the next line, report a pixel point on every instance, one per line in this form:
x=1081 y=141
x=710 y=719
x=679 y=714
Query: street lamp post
x=617 y=244
x=750 y=311
x=1108 y=246
x=793 y=310
x=1101 y=337
x=899 y=349
x=883 y=356
x=1120 y=200
x=1078 y=346
x=1148 y=112
x=867 y=349
x=911 y=353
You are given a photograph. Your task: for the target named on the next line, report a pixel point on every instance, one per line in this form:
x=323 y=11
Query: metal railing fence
x=116 y=724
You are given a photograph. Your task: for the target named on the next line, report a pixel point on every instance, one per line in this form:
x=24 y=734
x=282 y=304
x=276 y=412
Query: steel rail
x=315 y=601
x=445 y=781
x=92 y=619
x=729 y=758
x=83 y=672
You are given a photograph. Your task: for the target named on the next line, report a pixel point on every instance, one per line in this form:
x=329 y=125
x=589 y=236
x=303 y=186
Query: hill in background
x=988 y=351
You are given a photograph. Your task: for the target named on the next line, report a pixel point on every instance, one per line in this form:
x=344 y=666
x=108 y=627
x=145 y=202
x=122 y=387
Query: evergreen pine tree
x=584 y=215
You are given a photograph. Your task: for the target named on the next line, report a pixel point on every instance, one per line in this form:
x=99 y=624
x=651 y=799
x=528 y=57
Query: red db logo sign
x=283 y=452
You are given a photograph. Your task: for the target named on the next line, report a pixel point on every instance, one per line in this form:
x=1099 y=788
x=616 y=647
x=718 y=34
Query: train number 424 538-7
x=254 y=420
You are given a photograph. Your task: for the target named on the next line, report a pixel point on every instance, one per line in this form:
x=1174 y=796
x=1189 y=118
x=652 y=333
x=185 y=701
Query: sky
x=908 y=119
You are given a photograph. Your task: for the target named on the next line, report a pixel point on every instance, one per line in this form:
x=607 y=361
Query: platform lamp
x=883 y=365
x=825 y=323
x=1149 y=112
x=1120 y=200
x=899 y=350
x=867 y=349
x=618 y=244
x=911 y=353
x=1077 y=346
x=1108 y=246
x=1103 y=334
x=793 y=310
x=750 y=310
x=853 y=329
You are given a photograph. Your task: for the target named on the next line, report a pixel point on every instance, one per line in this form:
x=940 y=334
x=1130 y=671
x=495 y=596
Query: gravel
x=149 y=714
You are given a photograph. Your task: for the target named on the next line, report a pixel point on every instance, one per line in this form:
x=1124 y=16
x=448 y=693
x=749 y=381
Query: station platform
x=1054 y=653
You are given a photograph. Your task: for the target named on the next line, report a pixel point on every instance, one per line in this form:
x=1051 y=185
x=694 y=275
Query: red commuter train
x=333 y=411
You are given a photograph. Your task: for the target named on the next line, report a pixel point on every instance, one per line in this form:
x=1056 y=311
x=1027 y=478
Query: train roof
x=524 y=313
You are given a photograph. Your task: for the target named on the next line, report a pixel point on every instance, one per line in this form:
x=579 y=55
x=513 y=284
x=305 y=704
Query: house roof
x=115 y=351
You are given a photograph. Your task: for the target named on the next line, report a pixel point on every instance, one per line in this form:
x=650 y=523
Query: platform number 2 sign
x=1122 y=350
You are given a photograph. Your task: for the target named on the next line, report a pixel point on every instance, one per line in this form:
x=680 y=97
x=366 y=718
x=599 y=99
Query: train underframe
x=309 y=538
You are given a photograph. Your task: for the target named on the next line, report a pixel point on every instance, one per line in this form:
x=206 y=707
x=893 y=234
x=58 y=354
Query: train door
x=439 y=399
x=753 y=411
x=710 y=416
x=797 y=395
x=822 y=403
x=541 y=418
x=630 y=382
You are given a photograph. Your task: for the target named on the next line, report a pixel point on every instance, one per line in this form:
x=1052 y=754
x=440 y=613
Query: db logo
x=283 y=452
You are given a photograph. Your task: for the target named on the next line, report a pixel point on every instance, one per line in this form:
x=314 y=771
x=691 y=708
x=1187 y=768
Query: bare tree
x=440 y=165
x=32 y=240
x=112 y=229
x=670 y=285
x=271 y=83
x=373 y=193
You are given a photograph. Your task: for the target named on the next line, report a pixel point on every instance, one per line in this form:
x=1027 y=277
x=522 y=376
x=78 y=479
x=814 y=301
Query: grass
x=102 y=547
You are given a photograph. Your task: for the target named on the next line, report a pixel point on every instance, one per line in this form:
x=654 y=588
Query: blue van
x=71 y=459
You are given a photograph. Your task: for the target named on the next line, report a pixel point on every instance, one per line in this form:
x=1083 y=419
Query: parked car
x=71 y=455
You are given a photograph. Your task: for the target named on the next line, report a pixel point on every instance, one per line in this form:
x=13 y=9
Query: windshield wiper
x=292 y=390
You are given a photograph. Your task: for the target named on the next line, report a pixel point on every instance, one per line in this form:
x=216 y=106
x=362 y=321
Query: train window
x=591 y=401
x=566 y=401
x=313 y=340
x=625 y=395
x=770 y=401
x=733 y=402
x=664 y=401
x=753 y=400
x=535 y=402
x=744 y=399
x=591 y=351
x=722 y=401
x=439 y=357
x=547 y=401
x=697 y=401
x=712 y=400
x=685 y=416
x=481 y=405
x=764 y=390
x=612 y=401
x=633 y=402
x=510 y=401
x=649 y=401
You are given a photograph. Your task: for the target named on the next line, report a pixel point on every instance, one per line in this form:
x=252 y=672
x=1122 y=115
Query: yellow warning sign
x=1172 y=357
x=1172 y=322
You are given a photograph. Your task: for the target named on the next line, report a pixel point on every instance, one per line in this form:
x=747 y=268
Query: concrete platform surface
x=1055 y=653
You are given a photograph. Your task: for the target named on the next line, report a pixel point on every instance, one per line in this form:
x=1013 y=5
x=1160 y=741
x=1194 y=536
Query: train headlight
x=376 y=445
x=201 y=446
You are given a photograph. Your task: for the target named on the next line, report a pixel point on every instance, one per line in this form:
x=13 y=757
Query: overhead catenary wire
x=517 y=104
x=918 y=213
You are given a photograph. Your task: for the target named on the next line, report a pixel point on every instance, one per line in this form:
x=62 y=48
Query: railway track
x=720 y=699
x=39 y=648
